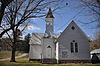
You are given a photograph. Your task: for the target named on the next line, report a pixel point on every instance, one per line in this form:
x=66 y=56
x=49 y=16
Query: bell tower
x=49 y=23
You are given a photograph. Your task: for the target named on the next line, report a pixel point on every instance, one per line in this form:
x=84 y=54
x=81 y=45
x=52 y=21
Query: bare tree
x=95 y=44
x=94 y=10
x=4 y=3
x=18 y=14
x=27 y=9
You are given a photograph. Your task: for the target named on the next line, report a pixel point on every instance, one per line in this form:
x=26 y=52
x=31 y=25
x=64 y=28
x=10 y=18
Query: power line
x=71 y=19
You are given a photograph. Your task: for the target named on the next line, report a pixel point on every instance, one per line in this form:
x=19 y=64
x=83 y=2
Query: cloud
x=33 y=28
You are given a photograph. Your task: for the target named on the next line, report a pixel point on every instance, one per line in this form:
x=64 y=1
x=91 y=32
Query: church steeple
x=49 y=14
x=49 y=23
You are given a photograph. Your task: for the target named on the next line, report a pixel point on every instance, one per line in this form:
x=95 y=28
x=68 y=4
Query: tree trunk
x=13 y=53
x=13 y=47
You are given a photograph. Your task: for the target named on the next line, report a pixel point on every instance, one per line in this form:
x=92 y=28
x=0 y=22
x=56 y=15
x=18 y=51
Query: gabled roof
x=74 y=24
x=49 y=14
x=37 y=37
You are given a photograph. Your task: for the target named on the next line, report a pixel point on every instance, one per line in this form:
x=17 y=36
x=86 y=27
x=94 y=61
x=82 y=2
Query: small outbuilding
x=96 y=51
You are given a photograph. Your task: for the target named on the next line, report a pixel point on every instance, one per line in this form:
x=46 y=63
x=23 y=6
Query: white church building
x=71 y=46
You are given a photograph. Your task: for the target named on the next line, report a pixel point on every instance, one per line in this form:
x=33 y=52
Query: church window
x=76 y=47
x=73 y=40
x=72 y=48
x=73 y=27
x=48 y=47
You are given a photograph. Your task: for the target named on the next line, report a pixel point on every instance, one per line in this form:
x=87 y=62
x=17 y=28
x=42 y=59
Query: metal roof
x=36 y=38
x=95 y=51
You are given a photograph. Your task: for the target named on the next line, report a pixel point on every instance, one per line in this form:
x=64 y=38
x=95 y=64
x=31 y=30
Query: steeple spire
x=49 y=14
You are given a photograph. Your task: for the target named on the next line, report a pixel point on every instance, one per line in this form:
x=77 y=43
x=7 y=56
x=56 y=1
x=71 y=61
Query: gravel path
x=15 y=57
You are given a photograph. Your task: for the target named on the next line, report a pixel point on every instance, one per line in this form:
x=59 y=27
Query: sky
x=72 y=11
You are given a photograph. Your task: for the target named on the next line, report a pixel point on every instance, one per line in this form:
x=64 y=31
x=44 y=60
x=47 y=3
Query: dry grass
x=7 y=54
x=25 y=62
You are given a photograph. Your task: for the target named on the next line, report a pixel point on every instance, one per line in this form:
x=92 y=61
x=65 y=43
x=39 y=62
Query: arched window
x=74 y=46
x=73 y=40
x=49 y=52
x=48 y=47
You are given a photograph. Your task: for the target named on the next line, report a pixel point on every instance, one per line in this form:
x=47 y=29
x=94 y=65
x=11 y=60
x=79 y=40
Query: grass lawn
x=24 y=62
x=7 y=54
x=40 y=64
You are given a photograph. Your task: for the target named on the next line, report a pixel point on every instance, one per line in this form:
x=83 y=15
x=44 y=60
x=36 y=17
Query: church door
x=49 y=52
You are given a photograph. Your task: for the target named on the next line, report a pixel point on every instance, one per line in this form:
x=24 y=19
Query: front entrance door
x=49 y=52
